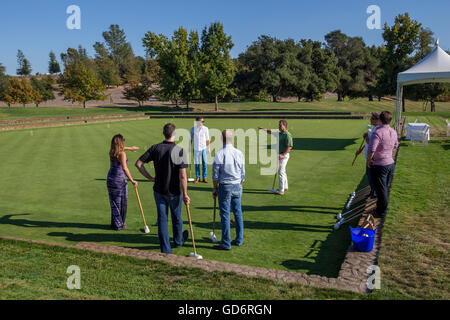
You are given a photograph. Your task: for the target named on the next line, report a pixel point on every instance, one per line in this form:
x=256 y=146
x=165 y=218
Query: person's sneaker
x=185 y=235
x=221 y=248
x=205 y=181
x=197 y=181
x=280 y=192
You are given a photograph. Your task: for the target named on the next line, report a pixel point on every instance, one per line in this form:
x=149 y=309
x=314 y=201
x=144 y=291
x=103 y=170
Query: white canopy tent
x=435 y=67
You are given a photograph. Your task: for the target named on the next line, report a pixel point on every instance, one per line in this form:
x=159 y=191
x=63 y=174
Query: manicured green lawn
x=53 y=188
x=414 y=256
x=330 y=105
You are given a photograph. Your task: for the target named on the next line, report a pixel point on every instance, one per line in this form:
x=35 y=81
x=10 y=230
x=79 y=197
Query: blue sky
x=37 y=27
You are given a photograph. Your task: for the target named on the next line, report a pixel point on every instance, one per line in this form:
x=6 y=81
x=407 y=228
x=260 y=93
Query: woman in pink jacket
x=380 y=159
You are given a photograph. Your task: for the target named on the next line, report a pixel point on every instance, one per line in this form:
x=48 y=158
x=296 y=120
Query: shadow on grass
x=312 y=209
x=6 y=219
x=325 y=258
x=138 y=238
x=260 y=225
x=322 y=144
x=283 y=108
x=149 y=108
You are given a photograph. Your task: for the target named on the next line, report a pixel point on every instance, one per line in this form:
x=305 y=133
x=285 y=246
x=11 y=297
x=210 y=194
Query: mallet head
x=196 y=256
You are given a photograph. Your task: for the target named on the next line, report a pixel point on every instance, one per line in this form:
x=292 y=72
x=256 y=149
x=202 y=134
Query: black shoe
x=185 y=235
x=221 y=248
x=234 y=243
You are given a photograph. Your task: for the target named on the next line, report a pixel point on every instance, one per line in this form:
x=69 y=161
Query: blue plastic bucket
x=363 y=239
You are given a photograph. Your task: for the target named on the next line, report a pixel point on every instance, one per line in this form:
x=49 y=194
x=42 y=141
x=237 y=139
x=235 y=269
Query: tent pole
x=398 y=105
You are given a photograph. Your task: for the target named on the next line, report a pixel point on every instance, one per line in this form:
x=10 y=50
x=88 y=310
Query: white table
x=415 y=130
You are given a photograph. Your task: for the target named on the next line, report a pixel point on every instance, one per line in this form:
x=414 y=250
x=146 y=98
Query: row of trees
x=191 y=66
x=24 y=91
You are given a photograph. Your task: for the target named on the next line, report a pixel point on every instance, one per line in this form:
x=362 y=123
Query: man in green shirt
x=285 y=144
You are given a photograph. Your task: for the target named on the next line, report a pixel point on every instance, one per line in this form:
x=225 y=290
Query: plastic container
x=363 y=239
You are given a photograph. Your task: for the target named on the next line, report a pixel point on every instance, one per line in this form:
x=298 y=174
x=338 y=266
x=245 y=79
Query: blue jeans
x=197 y=155
x=230 y=196
x=163 y=203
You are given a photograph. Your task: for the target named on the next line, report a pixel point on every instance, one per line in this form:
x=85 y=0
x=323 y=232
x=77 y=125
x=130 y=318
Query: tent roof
x=435 y=67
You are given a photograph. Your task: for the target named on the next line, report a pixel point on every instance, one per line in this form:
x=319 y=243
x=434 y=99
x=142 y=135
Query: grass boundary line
x=68 y=123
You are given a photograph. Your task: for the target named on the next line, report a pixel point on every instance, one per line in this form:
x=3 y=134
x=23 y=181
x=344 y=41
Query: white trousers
x=282 y=176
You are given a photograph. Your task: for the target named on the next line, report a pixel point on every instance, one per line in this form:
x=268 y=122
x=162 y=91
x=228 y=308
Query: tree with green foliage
x=79 y=83
x=178 y=60
x=74 y=56
x=107 y=71
x=272 y=65
x=53 y=64
x=400 y=42
x=139 y=92
x=4 y=82
x=218 y=68
x=24 y=66
x=318 y=71
x=120 y=52
x=44 y=90
x=356 y=64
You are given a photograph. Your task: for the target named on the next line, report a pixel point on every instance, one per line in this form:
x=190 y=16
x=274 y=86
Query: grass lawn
x=31 y=271
x=53 y=188
x=50 y=175
x=415 y=254
x=330 y=105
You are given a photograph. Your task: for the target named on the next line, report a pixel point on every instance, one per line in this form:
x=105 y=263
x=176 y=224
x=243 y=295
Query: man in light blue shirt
x=228 y=174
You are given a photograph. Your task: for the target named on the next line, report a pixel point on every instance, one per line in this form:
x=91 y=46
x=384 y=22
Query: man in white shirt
x=228 y=174
x=201 y=143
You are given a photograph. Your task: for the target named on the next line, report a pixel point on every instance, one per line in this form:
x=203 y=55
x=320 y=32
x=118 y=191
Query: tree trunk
x=379 y=98
x=370 y=97
x=403 y=103
x=187 y=104
x=84 y=104
x=433 y=109
x=217 y=104
x=274 y=98
x=339 y=96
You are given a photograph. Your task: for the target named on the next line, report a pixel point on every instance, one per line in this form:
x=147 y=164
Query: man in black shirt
x=170 y=186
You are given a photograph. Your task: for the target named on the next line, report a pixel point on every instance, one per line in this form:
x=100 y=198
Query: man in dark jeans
x=382 y=146
x=170 y=181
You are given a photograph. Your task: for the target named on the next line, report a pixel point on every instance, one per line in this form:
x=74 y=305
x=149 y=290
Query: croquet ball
x=365 y=235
